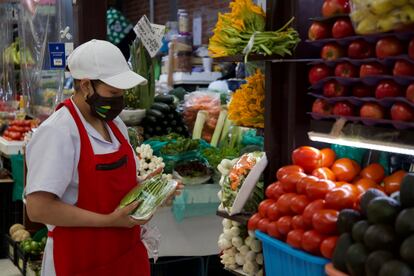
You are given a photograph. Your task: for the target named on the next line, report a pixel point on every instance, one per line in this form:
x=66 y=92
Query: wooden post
x=89 y=20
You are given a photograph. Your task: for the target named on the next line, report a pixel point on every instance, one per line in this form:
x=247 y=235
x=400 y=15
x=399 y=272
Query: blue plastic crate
x=282 y=259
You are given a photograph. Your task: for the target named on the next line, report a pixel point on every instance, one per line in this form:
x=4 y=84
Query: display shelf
x=271 y=58
x=11 y=147
x=192 y=78
x=6 y=181
x=330 y=18
x=368 y=137
x=240 y=218
x=238 y=272
x=389 y=61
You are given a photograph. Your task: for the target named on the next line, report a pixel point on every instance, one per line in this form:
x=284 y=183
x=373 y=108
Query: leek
x=199 y=124
x=225 y=132
x=219 y=128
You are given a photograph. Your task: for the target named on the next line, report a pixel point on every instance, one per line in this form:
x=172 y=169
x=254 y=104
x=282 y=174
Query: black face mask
x=105 y=108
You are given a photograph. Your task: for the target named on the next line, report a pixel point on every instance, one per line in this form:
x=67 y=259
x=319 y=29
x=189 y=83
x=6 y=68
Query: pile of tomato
x=17 y=129
x=302 y=207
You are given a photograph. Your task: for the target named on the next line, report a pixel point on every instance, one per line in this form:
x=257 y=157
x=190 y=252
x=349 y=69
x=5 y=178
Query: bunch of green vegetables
x=180 y=145
x=215 y=155
x=141 y=96
x=33 y=247
x=151 y=194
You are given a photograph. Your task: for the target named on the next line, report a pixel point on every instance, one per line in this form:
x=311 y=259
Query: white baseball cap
x=101 y=60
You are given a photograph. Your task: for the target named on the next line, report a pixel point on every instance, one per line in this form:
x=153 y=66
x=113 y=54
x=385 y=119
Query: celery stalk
x=199 y=124
x=219 y=128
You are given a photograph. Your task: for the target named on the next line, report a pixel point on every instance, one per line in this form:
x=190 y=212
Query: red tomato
x=311 y=241
x=319 y=189
x=352 y=188
x=298 y=223
x=340 y=198
x=286 y=170
x=375 y=172
x=364 y=184
x=294 y=238
x=308 y=158
x=311 y=209
x=262 y=224
x=298 y=203
x=284 y=225
x=306 y=181
x=328 y=246
x=328 y=157
x=357 y=205
x=392 y=183
x=283 y=204
x=324 y=221
x=324 y=173
x=275 y=190
x=253 y=220
x=345 y=169
x=340 y=183
x=290 y=180
x=273 y=230
x=273 y=212
x=263 y=207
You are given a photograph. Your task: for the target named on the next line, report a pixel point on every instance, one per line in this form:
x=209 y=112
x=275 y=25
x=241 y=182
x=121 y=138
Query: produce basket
x=21 y=260
x=282 y=259
x=11 y=249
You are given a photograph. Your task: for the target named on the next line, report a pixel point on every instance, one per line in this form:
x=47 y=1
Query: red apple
x=333 y=88
x=321 y=106
x=403 y=68
x=402 y=112
x=361 y=90
x=371 y=69
x=318 y=72
x=409 y=94
x=343 y=109
x=332 y=51
x=346 y=70
x=342 y=28
x=388 y=46
x=319 y=30
x=360 y=49
x=387 y=88
x=372 y=110
x=411 y=49
x=333 y=7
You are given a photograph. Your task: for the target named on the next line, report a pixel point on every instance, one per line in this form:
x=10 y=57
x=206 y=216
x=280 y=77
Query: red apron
x=104 y=180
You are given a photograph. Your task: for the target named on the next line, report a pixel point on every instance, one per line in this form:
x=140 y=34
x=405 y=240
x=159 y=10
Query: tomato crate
x=11 y=248
x=282 y=259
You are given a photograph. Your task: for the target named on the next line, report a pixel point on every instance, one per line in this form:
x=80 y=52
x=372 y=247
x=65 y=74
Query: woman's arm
x=46 y=208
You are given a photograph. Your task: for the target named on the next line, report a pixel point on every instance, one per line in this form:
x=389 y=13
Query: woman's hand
x=121 y=217
x=177 y=192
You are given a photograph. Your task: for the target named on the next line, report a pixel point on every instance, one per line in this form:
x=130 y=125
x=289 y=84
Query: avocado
x=407 y=250
x=359 y=229
x=395 y=268
x=404 y=225
x=356 y=256
x=375 y=260
x=366 y=198
x=338 y=257
x=407 y=191
x=346 y=220
x=380 y=236
x=383 y=210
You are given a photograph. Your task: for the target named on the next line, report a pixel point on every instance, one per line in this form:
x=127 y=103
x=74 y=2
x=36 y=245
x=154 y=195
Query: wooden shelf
x=6 y=181
x=240 y=218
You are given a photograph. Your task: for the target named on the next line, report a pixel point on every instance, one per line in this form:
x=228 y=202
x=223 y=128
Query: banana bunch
x=377 y=16
x=13 y=55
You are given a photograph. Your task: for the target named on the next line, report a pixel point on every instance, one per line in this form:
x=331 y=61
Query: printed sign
x=57 y=55
x=150 y=34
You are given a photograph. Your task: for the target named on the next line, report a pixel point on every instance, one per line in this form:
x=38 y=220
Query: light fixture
x=362 y=143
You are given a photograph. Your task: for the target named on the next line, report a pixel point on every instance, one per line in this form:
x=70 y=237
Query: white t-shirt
x=52 y=158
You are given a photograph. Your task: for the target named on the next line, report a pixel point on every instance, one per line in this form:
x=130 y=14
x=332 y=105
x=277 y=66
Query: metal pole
x=151 y=8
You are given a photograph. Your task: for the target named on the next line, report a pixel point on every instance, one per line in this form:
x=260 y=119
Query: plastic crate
x=11 y=248
x=282 y=259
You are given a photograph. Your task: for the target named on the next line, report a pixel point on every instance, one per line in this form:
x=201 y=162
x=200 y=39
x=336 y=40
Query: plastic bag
x=250 y=137
x=197 y=101
x=356 y=154
x=378 y=16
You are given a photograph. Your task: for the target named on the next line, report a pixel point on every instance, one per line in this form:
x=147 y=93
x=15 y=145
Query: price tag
x=150 y=34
